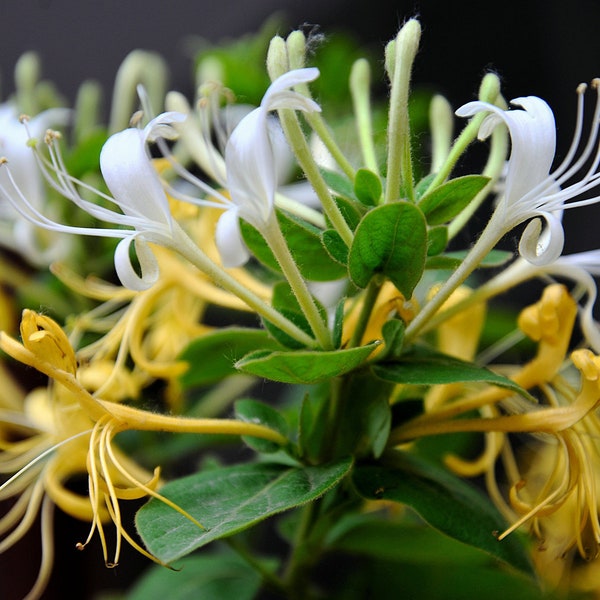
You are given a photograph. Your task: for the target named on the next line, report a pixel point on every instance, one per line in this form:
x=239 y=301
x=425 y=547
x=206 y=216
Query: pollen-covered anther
x=3 y=160
x=595 y=83
x=24 y=118
x=51 y=136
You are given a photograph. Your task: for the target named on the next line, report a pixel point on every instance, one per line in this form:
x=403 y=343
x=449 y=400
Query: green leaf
x=393 y=337
x=437 y=240
x=313 y=424
x=452 y=260
x=422 y=366
x=449 y=199
x=367 y=187
x=304 y=366
x=284 y=300
x=229 y=500
x=423 y=184
x=212 y=357
x=218 y=576
x=253 y=411
x=364 y=417
x=446 y=502
x=304 y=242
x=392 y=240
x=339 y=184
x=335 y=246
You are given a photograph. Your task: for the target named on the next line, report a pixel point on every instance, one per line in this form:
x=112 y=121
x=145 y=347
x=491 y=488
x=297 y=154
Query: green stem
x=189 y=250
x=484 y=244
x=360 y=77
x=280 y=249
x=298 y=144
x=401 y=56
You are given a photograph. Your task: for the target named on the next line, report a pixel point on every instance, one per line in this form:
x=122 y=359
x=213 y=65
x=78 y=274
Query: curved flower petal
x=148 y=264
x=131 y=178
x=228 y=238
x=250 y=158
x=542 y=247
x=533 y=134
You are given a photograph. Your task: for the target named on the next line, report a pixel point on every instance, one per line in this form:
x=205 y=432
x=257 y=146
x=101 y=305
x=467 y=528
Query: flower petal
x=131 y=178
x=533 y=135
x=250 y=156
x=148 y=264
x=542 y=247
x=228 y=238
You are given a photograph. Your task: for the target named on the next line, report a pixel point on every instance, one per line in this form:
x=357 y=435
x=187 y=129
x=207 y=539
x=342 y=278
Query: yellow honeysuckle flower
x=556 y=495
x=64 y=430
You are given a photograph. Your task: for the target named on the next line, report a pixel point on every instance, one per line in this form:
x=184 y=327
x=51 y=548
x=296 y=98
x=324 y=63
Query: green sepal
x=391 y=240
x=447 y=200
x=304 y=366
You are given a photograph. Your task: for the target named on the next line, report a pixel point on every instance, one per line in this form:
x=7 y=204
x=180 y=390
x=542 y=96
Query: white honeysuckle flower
x=531 y=191
x=17 y=234
x=136 y=190
x=253 y=161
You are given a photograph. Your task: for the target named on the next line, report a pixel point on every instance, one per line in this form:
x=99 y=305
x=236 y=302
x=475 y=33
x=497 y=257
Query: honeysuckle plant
x=267 y=335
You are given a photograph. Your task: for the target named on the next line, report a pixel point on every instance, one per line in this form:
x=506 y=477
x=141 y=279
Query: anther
x=24 y=118
x=581 y=88
x=51 y=135
x=3 y=160
x=136 y=118
x=595 y=83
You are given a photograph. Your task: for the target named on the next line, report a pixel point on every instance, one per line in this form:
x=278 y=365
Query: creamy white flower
x=252 y=160
x=136 y=190
x=531 y=191
x=17 y=234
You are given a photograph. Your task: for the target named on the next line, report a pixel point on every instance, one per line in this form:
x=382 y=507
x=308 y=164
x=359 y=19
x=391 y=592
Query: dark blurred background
x=538 y=47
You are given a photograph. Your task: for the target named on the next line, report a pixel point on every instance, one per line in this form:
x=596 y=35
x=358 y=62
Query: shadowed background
x=537 y=47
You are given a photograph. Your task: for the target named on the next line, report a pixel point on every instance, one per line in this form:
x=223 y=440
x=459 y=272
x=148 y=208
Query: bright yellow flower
x=63 y=431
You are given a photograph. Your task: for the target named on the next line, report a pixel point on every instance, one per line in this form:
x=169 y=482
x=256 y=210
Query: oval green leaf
x=391 y=240
x=449 y=199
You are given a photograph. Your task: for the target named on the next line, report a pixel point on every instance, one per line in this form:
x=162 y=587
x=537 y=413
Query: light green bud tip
x=489 y=89
x=404 y=47
x=27 y=71
x=296 y=47
x=277 y=58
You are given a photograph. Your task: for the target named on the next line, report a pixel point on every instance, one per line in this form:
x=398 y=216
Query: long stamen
x=147 y=489
x=47 y=539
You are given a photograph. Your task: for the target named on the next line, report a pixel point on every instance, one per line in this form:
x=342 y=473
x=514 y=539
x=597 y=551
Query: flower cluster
x=197 y=252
